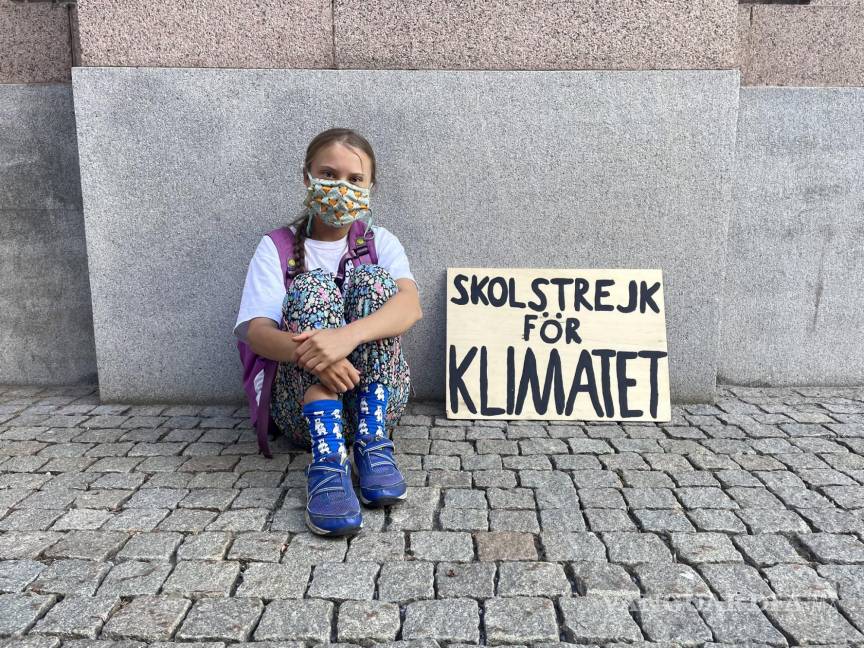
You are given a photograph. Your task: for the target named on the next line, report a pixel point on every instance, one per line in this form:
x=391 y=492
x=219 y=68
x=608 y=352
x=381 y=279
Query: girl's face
x=341 y=162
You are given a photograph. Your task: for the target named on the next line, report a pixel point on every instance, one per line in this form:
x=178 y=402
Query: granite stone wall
x=555 y=168
x=770 y=192
x=46 y=325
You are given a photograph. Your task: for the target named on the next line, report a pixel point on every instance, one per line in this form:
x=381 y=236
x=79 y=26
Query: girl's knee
x=316 y=284
x=378 y=279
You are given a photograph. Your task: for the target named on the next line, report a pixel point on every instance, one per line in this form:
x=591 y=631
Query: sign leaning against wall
x=546 y=343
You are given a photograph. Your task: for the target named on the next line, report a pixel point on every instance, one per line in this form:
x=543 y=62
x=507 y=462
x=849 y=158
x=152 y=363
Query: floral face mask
x=336 y=202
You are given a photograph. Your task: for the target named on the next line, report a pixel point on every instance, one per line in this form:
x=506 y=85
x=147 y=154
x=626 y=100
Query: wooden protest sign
x=548 y=343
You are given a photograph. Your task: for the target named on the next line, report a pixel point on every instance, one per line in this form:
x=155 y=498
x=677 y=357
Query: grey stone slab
x=302 y=620
x=465 y=580
x=684 y=118
x=736 y=582
x=519 y=619
x=268 y=581
x=441 y=545
x=18 y=612
x=77 y=616
x=778 y=233
x=135 y=578
x=833 y=547
x=848 y=579
x=344 y=581
x=201 y=578
x=532 y=578
x=632 y=548
x=450 y=620
x=603 y=579
x=40 y=192
x=598 y=619
x=406 y=581
x=670 y=581
x=811 y=622
x=70 y=577
x=147 y=618
x=674 y=621
x=225 y=619
x=739 y=623
x=799 y=582
x=15 y=575
x=367 y=621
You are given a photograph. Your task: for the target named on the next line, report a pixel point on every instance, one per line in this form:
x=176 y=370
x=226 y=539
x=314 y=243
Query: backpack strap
x=283 y=237
x=361 y=249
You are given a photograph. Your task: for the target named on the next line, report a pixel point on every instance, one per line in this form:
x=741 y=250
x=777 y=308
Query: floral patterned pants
x=314 y=301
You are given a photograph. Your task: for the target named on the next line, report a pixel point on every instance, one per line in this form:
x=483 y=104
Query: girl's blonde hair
x=323 y=139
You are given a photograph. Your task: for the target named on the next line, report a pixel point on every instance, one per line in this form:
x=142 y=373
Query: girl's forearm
x=393 y=318
x=265 y=339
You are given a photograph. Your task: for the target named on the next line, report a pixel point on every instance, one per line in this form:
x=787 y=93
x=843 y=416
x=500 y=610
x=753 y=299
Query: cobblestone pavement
x=737 y=523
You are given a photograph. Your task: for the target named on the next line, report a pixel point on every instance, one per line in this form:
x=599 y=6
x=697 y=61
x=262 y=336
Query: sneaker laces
x=335 y=474
x=379 y=451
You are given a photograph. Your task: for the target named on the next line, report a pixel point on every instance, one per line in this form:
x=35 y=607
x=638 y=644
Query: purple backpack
x=361 y=249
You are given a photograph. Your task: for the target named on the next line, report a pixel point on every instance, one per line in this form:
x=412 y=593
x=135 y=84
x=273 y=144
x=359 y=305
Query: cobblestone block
x=465 y=580
x=210 y=545
x=736 y=582
x=526 y=578
x=811 y=622
x=344 y=581
x=154 y=546
x=269 y=581
x=632 y=548
x=441 y=545
x=848 y=579
x=135 y=578
x=505 y=545
x=147 y=618
x=15 y=575
x=519 y=619
x=310 y=549
x=766 y=550
x=833 y=548
x=77 y=616
x=19 y=612
x=704 y=547
x=670 y=581
x=561 y=546
x=799 y=582
x=306 y=620
x=360 y=622
x=677 y=622
x=449 y=620
x=202 y=578
x=227 y=619
x=70 y=577
x=406 y=581
x=597 y=579
x=598 y=619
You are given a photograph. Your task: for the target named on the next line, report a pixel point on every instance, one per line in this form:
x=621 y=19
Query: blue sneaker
x=332 y=508
x=381 y=482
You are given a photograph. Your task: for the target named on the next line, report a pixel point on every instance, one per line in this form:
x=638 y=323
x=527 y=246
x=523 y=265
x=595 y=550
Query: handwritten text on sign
x=540 y=343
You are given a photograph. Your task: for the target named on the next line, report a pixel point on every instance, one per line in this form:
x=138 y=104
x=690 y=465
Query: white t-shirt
x=264 y=289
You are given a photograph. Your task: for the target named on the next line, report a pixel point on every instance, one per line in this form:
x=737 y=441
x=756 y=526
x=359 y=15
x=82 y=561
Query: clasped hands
x=324 y=352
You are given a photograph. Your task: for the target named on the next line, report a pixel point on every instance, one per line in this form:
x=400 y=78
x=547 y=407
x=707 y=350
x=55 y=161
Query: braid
x=299 y=244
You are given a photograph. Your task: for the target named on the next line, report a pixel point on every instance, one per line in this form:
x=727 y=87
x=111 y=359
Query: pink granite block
x=536 y=34
x=206 y=33
x=35 y=45
x=805 y=45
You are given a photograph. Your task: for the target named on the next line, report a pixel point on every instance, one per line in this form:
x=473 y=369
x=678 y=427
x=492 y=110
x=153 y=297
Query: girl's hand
x=319 y=348
x=341 y=376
